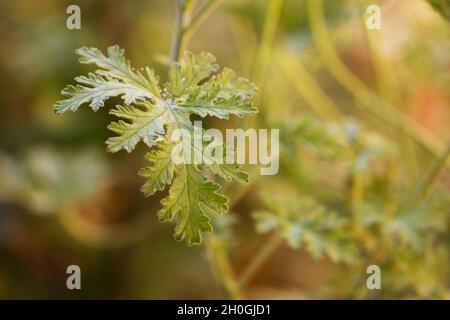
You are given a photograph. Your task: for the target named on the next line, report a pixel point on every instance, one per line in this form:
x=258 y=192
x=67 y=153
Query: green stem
x=305 y=84
x=260 y=69
x=182 y=31
x=200 y=16
x=260 y=259
x=221 y=267
x=263 y=54
x=177 y=40
x=365 y=98
x=387 y=86
x=426 y=182
x=357 y=190
x=215 y=248
x=267 y=38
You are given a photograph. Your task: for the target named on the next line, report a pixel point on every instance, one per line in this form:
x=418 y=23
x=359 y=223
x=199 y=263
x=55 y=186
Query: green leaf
x=95 y=90
x=229 y=172
x=115 y=78
x=116 y=66
x=48 y=180
x=161 y=170
x=232 y=85
x=324 y=141
x=189 y=72
x=412 y=227
x=222 y=96
x=151 y=115
x=190 y=195
x=304 y=222
x=146 y=124
x=210 y=103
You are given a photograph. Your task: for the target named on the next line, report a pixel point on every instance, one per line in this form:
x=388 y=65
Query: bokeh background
x=363 y=116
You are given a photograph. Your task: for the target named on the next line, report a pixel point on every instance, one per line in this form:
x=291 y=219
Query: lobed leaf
x=116 y=66
x=189 y=72
x=146 y=125
x=305 y=222
x=161 y=170
x=150 y=114
x=190 y=195
x=95 y=90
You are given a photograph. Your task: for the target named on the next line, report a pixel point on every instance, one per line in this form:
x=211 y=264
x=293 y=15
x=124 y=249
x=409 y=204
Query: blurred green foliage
x=363 y=118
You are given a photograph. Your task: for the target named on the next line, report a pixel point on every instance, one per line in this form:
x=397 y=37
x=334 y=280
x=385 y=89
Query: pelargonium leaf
x=302 y=222
x=151 y=114
x=146 y=124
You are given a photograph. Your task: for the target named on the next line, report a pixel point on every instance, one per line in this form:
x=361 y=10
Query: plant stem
x=307 y=86
x=259 y=71
x=177 y=40
x=182 y=32
x=365 y=98
x=199 y=16
x=357 y=190
x=215 y=248
x=263 y=54
x=259 y=259
x=425 y=183
x=221 y=267
x=388 y=88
